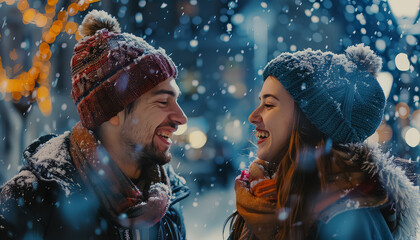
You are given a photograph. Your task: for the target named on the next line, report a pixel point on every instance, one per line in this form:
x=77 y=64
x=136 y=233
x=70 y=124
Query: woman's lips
x=261 y=140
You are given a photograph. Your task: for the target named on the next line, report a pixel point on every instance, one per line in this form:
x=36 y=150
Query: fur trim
x=402 y=191
x=393 y=178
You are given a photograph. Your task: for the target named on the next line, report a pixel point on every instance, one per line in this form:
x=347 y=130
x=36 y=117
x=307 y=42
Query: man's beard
x=149 y=155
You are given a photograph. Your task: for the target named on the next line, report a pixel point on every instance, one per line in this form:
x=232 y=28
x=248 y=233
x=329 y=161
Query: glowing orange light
x=37 y=63
x=22 y=5
x=83 y=5
x=41 y=20
x=43 y=48
x=16 y=95
x=29 y=84
x=71 y=27
x=14 y=85
x=42 y=92
x=56 y=27
x=73 y=9
x=78 y=36
x=33 y=72
x=24 y=83
x=28 y=15
x=46 y=67
x=43 y=99
x=52 y=2
x=46 y=56
x=48 y=37
x=49 y=9
x=43 y=75
x=62 y=16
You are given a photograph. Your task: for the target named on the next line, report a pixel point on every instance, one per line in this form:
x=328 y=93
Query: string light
x=24 y=83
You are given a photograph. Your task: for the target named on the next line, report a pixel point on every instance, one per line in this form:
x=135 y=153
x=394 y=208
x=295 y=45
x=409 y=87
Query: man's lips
x=166 y=141
x=165 y=134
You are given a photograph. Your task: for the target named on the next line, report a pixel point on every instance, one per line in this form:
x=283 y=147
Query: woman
x=315 y=177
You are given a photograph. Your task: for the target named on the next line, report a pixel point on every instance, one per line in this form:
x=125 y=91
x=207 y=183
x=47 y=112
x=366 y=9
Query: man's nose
x=179 y=116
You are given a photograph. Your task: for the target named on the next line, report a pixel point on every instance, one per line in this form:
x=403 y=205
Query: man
x=108 y=178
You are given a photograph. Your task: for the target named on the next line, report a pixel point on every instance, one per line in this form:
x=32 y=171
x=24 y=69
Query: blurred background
x=220 y=47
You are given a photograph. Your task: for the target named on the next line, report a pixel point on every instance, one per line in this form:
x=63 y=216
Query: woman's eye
x=268 y=105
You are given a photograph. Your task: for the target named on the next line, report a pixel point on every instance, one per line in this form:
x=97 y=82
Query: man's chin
x=152 y=155
x=163 y=157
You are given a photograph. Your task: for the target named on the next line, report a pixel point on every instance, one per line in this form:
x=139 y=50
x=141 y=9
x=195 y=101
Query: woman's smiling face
x=273 y=119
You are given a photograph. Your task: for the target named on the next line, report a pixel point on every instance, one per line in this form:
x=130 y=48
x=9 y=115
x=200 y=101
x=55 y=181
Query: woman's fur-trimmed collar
x=393 y=174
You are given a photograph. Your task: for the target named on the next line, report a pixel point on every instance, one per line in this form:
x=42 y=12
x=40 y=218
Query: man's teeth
x=164 y=135
x=262 y=134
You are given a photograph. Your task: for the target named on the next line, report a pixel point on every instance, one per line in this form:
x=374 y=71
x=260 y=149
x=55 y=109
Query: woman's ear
x=115 y=120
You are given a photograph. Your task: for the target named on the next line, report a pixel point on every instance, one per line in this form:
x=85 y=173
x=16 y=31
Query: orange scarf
x=256 y=202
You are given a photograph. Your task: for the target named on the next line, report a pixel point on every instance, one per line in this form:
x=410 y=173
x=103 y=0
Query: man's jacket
x=49 y=200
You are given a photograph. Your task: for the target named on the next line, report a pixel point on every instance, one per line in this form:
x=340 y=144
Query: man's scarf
x=120 y=198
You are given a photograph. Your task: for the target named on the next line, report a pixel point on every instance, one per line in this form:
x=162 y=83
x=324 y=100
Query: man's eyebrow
x=269 y=95
x=169 y=92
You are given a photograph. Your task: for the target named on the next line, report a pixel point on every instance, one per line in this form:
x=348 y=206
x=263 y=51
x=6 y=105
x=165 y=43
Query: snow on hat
x=111 y=69
x=338 y=93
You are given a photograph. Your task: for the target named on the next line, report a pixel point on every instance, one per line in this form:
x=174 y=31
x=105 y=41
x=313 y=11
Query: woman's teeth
x=261 y=134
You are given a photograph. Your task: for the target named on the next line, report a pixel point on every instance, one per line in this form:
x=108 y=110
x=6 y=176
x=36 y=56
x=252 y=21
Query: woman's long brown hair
x=300 y=175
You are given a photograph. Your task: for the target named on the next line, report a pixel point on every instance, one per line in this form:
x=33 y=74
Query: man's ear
x=115 y=120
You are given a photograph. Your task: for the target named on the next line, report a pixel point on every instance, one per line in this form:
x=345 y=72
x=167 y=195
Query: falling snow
x=220 y=48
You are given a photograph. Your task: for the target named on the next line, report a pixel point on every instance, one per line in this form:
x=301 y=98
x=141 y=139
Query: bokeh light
x=181 y=129
x=386 y=80
x=197 y=139
x=412 y=137
x=402 y=62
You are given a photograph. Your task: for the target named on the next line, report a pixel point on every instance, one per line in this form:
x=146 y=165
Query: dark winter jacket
x=385 y=206
x=49 y=200
x=385 y=210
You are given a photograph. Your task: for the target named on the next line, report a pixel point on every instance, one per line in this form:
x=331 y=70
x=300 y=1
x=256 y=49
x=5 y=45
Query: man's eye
x=268 y=105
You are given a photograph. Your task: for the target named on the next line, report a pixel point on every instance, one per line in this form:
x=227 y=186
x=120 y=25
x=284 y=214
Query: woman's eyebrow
x=269 y=95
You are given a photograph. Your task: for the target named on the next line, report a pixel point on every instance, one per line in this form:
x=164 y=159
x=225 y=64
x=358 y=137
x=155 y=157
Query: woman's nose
x=255 y=116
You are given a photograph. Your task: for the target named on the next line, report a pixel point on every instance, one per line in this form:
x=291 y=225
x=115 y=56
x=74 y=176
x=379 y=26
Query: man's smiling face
x=154 y=118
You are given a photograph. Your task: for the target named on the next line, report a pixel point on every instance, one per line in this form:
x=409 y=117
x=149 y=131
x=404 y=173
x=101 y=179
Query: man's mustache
x=169 y=124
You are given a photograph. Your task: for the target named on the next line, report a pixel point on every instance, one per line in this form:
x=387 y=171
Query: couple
x=108 y=179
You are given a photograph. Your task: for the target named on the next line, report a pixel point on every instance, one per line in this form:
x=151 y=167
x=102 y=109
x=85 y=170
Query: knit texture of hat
x=338 y=93
x=111 y=69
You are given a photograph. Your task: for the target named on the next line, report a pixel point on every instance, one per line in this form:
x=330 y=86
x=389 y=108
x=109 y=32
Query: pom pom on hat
x=97 y=20
x=364 y=58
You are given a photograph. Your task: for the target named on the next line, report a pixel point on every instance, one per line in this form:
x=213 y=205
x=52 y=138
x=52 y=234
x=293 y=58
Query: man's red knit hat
x=111 y=69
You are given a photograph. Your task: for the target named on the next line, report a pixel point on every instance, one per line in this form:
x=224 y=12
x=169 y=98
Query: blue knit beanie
x=338 y=93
